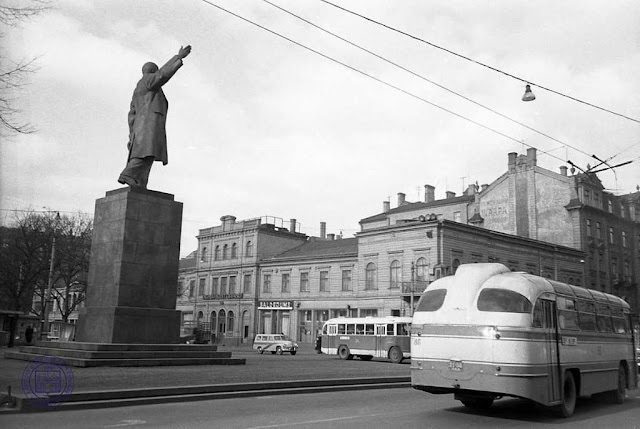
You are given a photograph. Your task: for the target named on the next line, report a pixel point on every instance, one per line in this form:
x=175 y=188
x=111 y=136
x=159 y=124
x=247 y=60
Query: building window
x=203 y=255
x=201 y=285
x=234 y=251
x=370 y=277
x=421 y=269
x=346 y=280
x=456 y=216
x=286 y=282
x=216 y=254
x=369 y=312
x=192 y=288
x=624 y=238
x=589 y=232
x=266 y=283
x=609 y=206
x=249 y=249
x=214 y=285
x=455 y=264
x=611 y=235
x=180 y=286
x=587 y=197
x=304 y=282
x=232 y=284
x=225 y=252
x=324 y=281
x=223 y=286
x=598 y=230
x=231 y=322
x=395 y=274
x=247 y=283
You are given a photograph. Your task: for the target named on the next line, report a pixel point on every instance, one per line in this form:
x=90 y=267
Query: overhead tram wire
x=374 y=78
x=427 y=80
x=532 y=83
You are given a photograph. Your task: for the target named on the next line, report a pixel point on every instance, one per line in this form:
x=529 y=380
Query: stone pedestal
x=133 y=273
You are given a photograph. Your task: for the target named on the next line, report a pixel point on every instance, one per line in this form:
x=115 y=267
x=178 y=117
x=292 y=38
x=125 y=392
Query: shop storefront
x=275 y=317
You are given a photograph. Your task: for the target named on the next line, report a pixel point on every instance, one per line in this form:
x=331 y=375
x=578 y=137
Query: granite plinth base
x=129 y=325
x=97 y=354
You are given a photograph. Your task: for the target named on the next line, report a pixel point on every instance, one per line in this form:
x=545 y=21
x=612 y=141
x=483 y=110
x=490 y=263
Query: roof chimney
x=471 y=189
x=531 y=154
x=400 y=198
x=227 y=222
x=292 y=224
x=485 y=186
x=429 y=193
x=386 y=206
x=323 y=229
x=563 y=170
x=450 y=194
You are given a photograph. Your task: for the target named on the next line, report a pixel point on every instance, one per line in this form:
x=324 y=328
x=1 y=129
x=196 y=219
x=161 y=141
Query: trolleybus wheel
x=279 y=350
x=617 y=396
x=343 y=352
x=395 y=354
x=568 y=395
x=260 y=350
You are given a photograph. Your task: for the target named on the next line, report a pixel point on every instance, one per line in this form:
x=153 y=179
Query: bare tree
x=13 y=73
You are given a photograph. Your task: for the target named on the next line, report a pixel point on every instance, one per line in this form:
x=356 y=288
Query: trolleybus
x=367 y=337
x=487 y=332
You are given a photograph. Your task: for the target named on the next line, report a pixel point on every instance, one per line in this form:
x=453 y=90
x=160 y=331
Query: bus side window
x=567 y=314
x=360 y=329
x=402 y=329
x=537 y=314
x=380 y=330
x=603 y=318
x=351 y=328
x=586 y=315
x=342 y=329
x=619 y=323
x=369 y=329
x=390 y=330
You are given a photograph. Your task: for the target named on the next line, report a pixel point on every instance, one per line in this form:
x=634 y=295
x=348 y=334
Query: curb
x=128 y=397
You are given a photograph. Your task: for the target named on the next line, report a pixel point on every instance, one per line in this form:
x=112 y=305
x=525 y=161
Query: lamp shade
x=528 y=95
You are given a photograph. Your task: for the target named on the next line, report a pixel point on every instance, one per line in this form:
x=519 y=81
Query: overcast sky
x=258 y=126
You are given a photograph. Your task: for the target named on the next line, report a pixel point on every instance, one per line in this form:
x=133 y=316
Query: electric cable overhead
x=275 y=33
x=426 y=79
x=478 y=62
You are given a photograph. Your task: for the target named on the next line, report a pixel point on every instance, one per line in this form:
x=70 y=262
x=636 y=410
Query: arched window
x=422 y=269
x=370 y=277
x=230 y=323
x=216 y=254
x=203 y=255
x=234 y=251
x=395 y=274
x=455 y=264
x=213 y=320
x=225 y=252
x=200 y=317
x=249 y=249
x=222 y=323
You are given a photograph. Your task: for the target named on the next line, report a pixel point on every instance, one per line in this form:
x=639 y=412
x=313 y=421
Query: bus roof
x=385 y=319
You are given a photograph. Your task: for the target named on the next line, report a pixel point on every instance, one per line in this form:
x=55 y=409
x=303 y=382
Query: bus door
x=381 y=332
x=329 y=336
x=550 y=323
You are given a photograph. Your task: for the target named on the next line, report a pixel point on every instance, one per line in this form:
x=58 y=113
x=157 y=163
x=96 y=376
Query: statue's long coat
x=148 y=113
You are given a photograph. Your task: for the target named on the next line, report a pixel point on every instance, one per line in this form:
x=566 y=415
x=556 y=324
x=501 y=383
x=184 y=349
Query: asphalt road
x=386 y=408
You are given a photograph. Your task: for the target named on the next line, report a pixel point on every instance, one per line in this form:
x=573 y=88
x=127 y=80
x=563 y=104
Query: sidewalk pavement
x=262 y=372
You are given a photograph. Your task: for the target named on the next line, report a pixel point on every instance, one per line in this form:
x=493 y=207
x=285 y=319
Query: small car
x=274 y=343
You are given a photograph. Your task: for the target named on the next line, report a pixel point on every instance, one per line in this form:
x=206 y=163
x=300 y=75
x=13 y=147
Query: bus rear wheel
x=617 y=396
x=395 y=354
x=344 y=353
x=568 y=395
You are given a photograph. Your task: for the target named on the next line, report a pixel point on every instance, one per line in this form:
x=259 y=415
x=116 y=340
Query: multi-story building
x=222 y=286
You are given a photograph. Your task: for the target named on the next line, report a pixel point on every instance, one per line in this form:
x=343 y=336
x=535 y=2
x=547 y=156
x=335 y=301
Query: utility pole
x=48 y=301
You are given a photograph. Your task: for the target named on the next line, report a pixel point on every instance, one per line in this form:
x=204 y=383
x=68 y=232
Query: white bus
x=367 y=337
x=487 y=332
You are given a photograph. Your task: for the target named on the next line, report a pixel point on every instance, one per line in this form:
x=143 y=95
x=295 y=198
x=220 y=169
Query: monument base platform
x=81 y=354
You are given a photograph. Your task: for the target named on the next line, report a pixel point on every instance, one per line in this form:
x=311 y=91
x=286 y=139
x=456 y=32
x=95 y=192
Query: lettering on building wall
x=225 y=296
x=265 y=305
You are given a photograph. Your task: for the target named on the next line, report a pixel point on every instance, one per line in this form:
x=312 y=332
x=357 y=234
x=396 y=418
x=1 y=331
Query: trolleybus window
x=587 y=315
x=502 y=300
x=432 y=300
x=567 y=314
x=604 y=318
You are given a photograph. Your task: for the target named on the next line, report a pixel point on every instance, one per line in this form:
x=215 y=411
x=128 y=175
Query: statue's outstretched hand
x=184 y=51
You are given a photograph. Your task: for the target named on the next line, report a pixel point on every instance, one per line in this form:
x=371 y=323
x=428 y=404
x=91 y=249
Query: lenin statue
x=147 y=118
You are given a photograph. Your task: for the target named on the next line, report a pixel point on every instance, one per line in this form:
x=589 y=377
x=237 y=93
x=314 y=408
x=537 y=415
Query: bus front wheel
x=344 y=353
x=395 y=354
x=568 y=395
